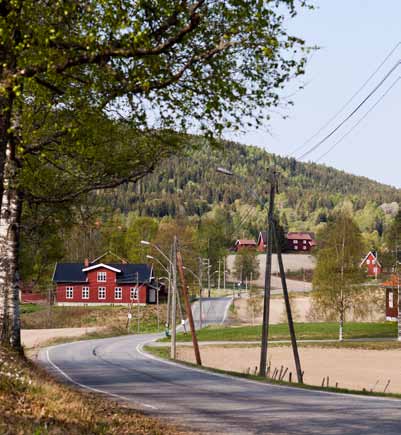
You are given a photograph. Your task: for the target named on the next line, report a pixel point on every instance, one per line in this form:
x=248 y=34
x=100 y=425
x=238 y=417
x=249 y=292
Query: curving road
x=213 y=403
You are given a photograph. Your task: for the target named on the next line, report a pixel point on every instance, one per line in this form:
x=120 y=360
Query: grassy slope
x=304 y=331
x=31 y=402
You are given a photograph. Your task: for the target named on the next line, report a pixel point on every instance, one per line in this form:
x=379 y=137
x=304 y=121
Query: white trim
x=120 y=291
x=85 y=287
x=95 y=304
x=96 y=266
x=67 y=290
x=374 y=256
x=98 y=292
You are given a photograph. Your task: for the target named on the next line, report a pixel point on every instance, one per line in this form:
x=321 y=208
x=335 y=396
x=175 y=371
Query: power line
x=371 y=93
x=348 y=101
x=360 y=120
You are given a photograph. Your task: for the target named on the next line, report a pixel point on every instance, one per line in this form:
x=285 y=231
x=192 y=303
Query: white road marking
x=140 y=350
x=96 y=390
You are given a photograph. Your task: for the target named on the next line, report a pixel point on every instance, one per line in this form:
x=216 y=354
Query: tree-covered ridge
x=191 y=186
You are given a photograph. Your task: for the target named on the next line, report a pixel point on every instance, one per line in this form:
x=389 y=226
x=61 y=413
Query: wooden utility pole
x=200 y=291
x=287 y=304
x=267 y=286
x=173 y=348
x=188 y=308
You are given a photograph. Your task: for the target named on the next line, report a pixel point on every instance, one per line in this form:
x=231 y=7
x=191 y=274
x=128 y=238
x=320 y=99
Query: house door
x=152 y=296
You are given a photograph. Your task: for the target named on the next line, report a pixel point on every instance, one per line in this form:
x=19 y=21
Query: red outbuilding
x=392 y=286
x=262 y=241
x=97 y=284
x=300 y=241
x=241 y=244
x=372 y=265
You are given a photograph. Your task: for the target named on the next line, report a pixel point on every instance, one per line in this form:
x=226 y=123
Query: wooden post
x=188 y=308
x=287 y=305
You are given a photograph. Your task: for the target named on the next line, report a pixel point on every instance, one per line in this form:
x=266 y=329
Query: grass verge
x=31 y=402
x=164 y=354
x=304 y=331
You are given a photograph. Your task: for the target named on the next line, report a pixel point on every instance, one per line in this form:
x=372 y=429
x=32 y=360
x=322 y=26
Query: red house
x=262 y=241
x=97 y=284
x=300 y=241
x=372 y=265
x=241 y=244
x=391 y=287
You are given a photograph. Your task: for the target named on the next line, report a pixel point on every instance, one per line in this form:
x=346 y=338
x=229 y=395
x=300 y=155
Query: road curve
x=213 y=403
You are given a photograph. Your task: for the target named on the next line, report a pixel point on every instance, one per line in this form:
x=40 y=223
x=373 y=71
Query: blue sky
x=354 y=36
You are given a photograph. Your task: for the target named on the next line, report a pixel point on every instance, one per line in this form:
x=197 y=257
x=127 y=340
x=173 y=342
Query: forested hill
x=191 y=186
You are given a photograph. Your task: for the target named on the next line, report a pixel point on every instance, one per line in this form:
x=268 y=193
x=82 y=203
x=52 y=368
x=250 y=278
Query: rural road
x=212 y=403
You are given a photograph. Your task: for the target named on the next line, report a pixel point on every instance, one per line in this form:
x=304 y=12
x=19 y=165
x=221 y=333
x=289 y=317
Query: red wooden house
x=262 y=241
x=391 y=286
x=241 y=244
x=372 y=265
x=98 y=284
x=300 y=241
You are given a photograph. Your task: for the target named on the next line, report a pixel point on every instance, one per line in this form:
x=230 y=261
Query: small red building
x=241 y=244
x=262 y=241
x=372 y=265
x=98 y=284
x=392 y=286
x=300 y=241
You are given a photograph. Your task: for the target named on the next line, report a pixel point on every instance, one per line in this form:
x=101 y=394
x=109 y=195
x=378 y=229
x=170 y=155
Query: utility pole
x=287 y=305
x=208 y=277
x=173 y=348
x=224 y=273
x=200 y=291
x=398 y=291
x=267 y=286
x=137 y=302
x=218 y=277
x=188 y=308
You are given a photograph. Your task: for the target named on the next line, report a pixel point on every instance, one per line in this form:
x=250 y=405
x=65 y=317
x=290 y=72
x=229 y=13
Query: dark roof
x=72 y=272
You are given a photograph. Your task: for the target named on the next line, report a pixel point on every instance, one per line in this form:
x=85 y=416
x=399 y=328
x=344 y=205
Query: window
x=69 y=292
x=85 y=292
x=295 y=242
x=367 y=261
x=304 y=242
x=134 y=293
x=102 y=293
x=296 y=247
x=304 y=248
x=390 y=299
x=118 y=293
x=101 y=277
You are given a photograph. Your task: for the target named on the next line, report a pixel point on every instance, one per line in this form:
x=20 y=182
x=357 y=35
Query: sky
x=354 y=37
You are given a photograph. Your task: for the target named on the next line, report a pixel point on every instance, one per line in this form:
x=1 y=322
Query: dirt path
x=35 y=337
x=351 y=368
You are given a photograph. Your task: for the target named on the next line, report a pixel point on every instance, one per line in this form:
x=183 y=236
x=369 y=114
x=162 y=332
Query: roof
x=394 y=281
x=301 y=236
x=263 y=236
x=130 y=273
x=370 y=254
x=245 y=242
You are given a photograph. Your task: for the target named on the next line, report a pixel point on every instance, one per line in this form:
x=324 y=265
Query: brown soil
x=351 y=368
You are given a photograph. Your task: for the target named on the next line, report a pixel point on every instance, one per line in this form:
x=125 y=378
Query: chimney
x=86 y=262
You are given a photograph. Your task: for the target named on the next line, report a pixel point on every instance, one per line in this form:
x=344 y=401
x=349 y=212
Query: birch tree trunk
x=10 y=217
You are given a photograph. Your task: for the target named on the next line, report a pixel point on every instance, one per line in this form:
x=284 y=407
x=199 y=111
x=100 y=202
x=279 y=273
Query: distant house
x=300 y=241
x=261 y=244
x=100 y=284
x=372 y=265
x=241 y=244
x=391 y=286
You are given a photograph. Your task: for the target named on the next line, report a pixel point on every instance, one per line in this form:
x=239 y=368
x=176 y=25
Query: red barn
x=300 y=241
x=391 y=287
x=262 y=241
x=98 y=284
x=244 y=244
x=372 y=265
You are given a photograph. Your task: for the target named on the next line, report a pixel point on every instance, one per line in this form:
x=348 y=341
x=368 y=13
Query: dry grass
x=31 y=402
x=107 y=316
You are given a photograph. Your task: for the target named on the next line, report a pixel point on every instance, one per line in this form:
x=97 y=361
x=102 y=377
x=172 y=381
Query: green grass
x=304 y=331
x=164 y=353
x=31 y=308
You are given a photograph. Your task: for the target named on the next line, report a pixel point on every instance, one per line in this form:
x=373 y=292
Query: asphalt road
x=213 y=403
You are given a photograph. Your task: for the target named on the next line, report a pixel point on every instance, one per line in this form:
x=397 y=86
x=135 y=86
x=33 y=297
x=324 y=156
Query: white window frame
x=102 y=276
x=367 y=261
x=85 y=292
x=69 y=292
x=118 y=290
x=296 y=247
x=101 y=289
x=304 y=242
x=295 y=242
x=134 y=293
x=304 y=248
x=391 y=299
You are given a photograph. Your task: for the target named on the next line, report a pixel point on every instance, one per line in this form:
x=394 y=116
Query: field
x=304 y=331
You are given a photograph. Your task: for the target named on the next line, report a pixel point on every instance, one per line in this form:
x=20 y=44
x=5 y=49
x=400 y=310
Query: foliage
x=337 y=278
x=246 y=265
